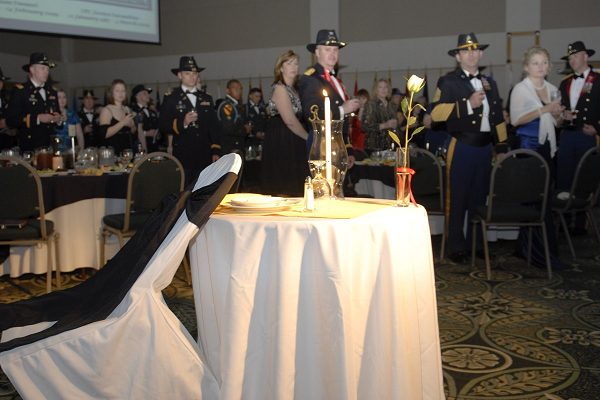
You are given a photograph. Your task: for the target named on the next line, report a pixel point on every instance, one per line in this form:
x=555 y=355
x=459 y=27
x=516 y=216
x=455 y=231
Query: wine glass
x=126 y=157
x=555 y=96
x=28 y=156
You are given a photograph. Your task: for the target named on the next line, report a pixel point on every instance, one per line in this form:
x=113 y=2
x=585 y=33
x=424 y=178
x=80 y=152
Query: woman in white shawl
x=535 y=109
x=535 y=105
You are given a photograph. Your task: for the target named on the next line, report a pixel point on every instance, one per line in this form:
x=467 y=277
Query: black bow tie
x=576 y=76
x=476 y=76
x=190 y=92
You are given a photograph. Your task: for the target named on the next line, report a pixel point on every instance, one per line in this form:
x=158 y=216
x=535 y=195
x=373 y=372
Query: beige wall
x=569 y=14
x=362 y=20
x=198 y=26
x=385 y=38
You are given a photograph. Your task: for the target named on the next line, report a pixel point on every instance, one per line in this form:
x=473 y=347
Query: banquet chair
x=583 y=195
x=113 y=336
x=22 y=215
x=517 y=197
x=428 y=186
x=153 y=177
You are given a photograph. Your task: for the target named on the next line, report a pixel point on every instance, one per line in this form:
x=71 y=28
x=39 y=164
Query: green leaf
x=421 y=107
x=394 y=137
x=417 y=130
x=404 y=105
x=411 y=120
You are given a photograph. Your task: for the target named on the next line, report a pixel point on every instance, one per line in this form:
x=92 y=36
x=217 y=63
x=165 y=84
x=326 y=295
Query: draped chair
x=153 y=177
x=583 y=195
x=22 y=215
x=517 y=197
x=113 y=336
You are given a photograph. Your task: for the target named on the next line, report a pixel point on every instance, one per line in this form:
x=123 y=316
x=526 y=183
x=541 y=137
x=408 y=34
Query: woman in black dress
x=284 y=159
x=117 y=126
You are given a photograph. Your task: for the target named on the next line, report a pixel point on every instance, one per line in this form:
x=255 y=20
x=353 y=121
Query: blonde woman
x=284 y=159
x=379 y=115
x=535 y=105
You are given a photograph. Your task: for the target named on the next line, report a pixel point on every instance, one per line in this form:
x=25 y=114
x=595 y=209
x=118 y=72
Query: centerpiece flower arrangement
x=403 y=173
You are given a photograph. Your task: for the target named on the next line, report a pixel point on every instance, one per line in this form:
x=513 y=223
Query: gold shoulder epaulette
x=19 y=86
x=309 y=71
x=567 y=77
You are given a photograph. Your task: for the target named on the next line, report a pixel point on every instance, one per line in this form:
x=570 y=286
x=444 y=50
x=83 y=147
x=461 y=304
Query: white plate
x=257 y=201
x=284 y=204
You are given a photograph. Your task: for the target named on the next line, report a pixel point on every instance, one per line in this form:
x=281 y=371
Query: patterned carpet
x=518 y=336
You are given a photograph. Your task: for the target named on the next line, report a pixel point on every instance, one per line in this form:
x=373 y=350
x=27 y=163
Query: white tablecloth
x=79 y=227
x=298 y=308
x=378 y=190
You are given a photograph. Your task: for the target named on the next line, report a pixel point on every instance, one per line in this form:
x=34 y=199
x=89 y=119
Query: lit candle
x=328 y=174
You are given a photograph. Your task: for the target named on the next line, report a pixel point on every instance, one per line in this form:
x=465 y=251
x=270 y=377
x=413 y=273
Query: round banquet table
x=317 y=308
x=76 y=205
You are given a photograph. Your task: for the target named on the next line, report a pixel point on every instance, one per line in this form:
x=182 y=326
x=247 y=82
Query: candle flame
x=325 y=93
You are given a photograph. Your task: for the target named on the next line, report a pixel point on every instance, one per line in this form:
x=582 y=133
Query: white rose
x=415 y=84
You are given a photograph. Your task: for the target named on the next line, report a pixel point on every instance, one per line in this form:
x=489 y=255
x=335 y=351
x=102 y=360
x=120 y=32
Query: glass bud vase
x=404 y=175
x=339 y=157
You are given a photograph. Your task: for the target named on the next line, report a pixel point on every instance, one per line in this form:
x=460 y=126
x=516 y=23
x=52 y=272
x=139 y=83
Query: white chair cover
x=140 y=351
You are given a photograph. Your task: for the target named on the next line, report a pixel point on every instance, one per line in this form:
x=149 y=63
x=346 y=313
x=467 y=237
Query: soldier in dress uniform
x=146 y=118
x=257 y=116
x=7 y=135
x=580 y=95
x=470 y=105
x=321 y=76
x=233 y=119
x=89 y=118
x=33 y=107
x=188 y=118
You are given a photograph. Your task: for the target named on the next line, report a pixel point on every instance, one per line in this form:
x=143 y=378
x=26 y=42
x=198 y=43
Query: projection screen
x=135 y=20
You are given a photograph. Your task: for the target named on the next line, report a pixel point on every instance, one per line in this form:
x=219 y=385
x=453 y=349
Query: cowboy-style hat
x=139 y=88
x=325 y=37
x=2 y=77
x=38 y=58
x=467 y=41
x=88 y=93
x=576 y=47
x=187 y=63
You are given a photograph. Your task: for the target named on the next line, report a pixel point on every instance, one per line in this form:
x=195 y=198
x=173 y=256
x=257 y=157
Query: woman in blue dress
x=69 y=120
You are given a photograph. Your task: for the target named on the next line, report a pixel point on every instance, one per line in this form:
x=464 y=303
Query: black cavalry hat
x=467 y=41
x=576 y=47
x=2 y=77
x=139 y=88
x=88 y=93
x=38 y=58
x=325 y=37
x=187 y=63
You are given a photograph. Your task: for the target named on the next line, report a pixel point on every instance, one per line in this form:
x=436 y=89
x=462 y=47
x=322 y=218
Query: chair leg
x=48 y=266
x=57 y=260
x=563 y=223
x=590 y=215
x=529 y=244
x=102 y=245
x=186 y=268
x=486 y=251
x=443 y=245
x=547 y=251
x=473 y=243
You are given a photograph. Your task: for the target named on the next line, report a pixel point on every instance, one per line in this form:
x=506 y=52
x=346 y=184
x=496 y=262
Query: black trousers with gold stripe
x=467 y=173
